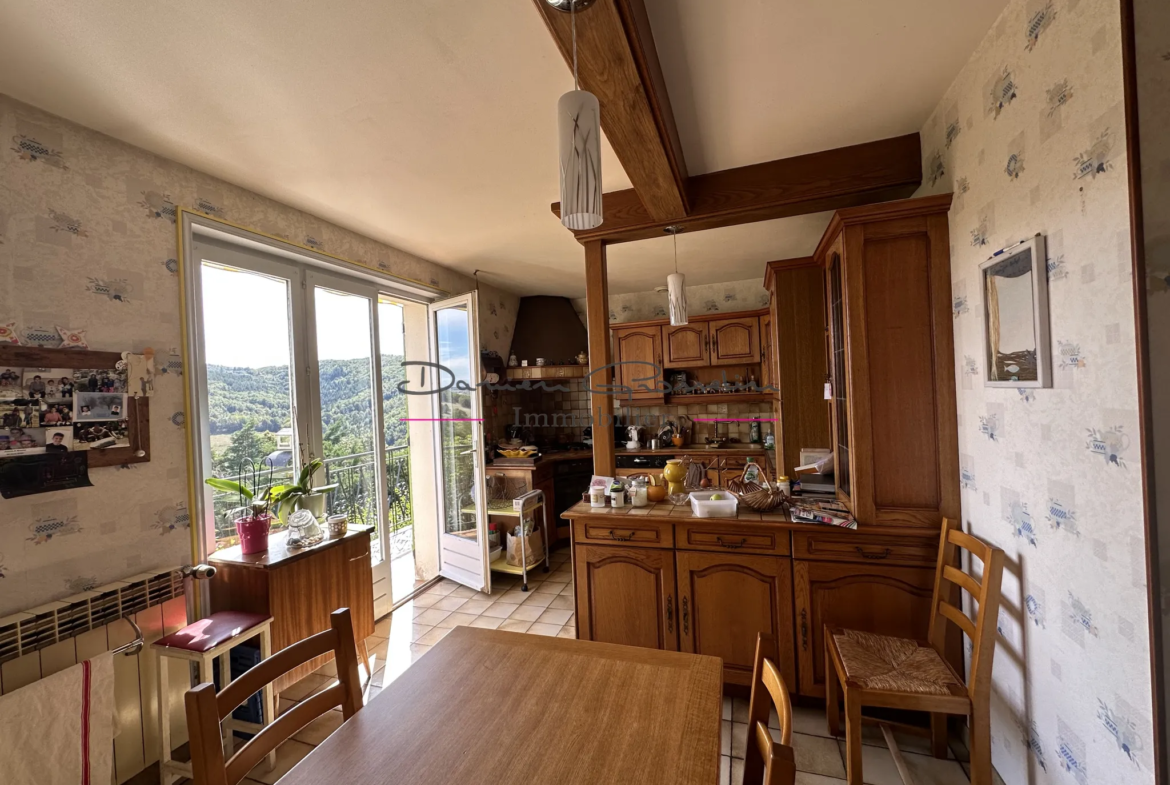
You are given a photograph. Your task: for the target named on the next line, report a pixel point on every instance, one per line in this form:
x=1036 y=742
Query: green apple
x=716 y=497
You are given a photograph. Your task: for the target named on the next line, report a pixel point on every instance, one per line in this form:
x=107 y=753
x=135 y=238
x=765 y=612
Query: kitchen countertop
x=677 y=513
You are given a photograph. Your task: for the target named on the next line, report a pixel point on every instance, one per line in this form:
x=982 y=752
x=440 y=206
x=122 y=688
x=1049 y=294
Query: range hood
x=548 y=327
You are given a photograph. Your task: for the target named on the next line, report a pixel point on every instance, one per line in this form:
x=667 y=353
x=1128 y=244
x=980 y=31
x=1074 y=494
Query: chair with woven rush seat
x=202 y=642
x=767 y=761
x=206 y=709
x=899 y=673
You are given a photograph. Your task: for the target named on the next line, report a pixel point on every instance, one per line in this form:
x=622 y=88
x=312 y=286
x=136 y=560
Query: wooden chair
x=898 y=673
x=205 y=709
x=767 y=761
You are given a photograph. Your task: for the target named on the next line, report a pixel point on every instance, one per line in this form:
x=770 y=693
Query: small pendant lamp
x=676 y=286
x=579 y=131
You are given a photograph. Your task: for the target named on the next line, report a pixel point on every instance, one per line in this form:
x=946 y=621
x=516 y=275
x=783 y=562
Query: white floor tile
x=817 y=755
x=877 y=766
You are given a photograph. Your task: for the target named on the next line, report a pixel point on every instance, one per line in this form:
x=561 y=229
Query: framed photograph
x=98 y=406
x=101 y=435
x=58 y=439
x=48 y=384
x=1015 y=317
x=105 y=380
x=20 y=415
x=21 y=441
x=11 y=383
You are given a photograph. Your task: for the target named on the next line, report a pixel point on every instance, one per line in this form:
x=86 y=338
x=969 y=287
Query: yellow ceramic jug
x=674 y=474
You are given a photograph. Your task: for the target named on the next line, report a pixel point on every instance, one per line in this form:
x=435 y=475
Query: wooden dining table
x=485 y=706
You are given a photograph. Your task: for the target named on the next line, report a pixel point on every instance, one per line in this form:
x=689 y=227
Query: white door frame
x=287 y=255
x=459 y=560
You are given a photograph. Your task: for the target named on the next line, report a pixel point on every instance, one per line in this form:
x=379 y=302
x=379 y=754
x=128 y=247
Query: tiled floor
x=547 y=609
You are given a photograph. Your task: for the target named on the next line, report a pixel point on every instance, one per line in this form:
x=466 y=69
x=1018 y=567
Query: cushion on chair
x=880 y=662
x=216 y=629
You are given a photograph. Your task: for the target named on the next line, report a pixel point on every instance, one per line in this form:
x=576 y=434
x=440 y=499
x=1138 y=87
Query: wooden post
x=597 y=318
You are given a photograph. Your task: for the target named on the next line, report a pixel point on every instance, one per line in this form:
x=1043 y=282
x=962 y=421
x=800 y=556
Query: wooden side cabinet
x=687 y=345
x=635 y=351
x=735 y=341
x=882 y=599
x=299 y=588
x=626 y=596
x=889 y=292
x=726 y=599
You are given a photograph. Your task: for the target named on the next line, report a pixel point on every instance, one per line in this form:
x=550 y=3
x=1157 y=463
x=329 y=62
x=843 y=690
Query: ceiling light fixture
x=579 y=130
x=676 y=286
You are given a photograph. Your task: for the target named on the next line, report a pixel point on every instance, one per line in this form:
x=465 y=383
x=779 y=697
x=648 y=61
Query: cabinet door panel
x=735 y=341
x=884 y=600
x=626 y=596
x=637 y=350
x=725 y=601
x=686 y=345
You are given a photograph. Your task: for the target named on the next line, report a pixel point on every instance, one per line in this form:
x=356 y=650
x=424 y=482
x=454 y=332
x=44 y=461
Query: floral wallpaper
x=497 y=319
x=1152 y=64
x=1031 y=138
x=706 y=298
x=88 y=243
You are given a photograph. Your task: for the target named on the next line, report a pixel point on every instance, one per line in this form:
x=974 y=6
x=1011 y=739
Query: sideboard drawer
x=723 y=538
x=623 y=530
x=867 y=548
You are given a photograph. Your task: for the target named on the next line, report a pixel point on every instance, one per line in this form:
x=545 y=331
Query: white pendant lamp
x=676 y=286
x=579 y=129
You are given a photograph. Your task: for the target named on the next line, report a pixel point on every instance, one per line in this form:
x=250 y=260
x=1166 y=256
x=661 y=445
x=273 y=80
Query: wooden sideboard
x=659 y=578
x=299 y=588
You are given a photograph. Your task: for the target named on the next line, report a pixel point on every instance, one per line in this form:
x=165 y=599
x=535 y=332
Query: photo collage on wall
x=54 y=410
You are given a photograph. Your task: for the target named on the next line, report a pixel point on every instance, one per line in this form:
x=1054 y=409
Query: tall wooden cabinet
x=796 y=343
x=891 y=347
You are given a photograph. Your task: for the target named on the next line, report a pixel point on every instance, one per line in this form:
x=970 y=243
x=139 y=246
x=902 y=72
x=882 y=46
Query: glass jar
x=639 y=495
x=617 y=495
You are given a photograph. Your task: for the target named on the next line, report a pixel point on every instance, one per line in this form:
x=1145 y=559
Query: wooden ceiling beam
x=830 y=180
x=618 y=63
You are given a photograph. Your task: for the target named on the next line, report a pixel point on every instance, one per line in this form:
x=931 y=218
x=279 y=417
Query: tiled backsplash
x=573 y=406
x=566 y=413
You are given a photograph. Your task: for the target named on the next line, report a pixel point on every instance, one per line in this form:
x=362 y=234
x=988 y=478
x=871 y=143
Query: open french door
x=458 y=434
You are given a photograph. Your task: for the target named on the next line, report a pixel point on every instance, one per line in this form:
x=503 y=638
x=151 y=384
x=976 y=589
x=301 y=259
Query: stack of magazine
x=824 y=510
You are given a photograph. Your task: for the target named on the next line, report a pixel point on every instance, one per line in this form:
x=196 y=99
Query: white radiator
x=57 y=635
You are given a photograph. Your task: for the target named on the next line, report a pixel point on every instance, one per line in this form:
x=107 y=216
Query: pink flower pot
x=253 y=532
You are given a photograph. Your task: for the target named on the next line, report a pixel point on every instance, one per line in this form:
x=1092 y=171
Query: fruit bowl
x=516 y=453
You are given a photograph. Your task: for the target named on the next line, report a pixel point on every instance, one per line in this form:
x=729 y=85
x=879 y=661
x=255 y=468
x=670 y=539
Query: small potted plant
x=302 y=494
x=253 y=520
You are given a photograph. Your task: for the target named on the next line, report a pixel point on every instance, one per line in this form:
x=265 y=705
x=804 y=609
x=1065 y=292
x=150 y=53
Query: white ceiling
x=430 y=124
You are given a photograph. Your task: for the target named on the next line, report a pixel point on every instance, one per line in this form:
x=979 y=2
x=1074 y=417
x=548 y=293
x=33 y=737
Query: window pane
x=249 y=349
x=452 y=327
x=345 y=374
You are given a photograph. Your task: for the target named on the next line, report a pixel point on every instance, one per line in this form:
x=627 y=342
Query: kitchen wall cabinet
x=888 y=291
x=687 y=345
x=735 y=341
x=890 y=600
x=626 y=595
x=636 y=352
x=726 y=599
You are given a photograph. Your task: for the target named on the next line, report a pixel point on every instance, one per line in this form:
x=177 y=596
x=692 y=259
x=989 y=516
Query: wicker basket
x=757 y=497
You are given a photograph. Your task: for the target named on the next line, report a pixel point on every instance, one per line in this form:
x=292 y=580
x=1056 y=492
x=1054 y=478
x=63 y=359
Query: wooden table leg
x=365 y=656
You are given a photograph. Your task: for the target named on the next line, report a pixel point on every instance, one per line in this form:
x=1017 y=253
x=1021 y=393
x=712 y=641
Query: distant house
x=282 y=455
